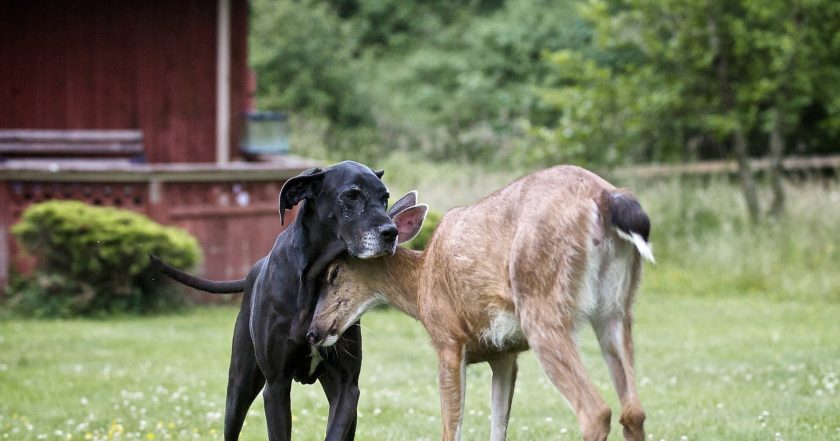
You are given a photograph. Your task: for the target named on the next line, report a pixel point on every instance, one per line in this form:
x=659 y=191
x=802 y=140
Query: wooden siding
x=121 y=64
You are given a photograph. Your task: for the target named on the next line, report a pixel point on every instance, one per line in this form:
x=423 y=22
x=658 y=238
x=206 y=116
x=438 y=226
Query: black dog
x=344 y=210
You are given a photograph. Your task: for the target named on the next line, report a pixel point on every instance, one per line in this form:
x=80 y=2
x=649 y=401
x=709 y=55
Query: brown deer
x=524 y=267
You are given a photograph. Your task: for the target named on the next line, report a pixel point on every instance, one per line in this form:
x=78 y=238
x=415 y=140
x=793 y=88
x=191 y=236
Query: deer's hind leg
x=548 y=269
x=613 y=327
x=548 y=326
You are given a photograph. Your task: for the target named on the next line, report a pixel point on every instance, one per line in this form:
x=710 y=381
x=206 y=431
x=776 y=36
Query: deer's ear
x=332 y=272
x=409 y=222
x=304 y=186
x=409 y=200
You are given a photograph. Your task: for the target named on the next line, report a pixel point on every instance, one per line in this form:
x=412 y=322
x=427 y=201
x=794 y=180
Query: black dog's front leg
x=278 y=408
x=340 y=381
x=344 y=399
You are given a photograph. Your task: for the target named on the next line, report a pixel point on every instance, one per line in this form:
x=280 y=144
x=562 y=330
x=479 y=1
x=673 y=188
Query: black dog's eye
x=352 y=194
x=385 y=201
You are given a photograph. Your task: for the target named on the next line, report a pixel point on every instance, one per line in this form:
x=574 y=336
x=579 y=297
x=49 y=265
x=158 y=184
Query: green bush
x=94 y=261
x=422 y=238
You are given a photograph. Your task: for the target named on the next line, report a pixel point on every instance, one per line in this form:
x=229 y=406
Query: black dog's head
x=349 y=198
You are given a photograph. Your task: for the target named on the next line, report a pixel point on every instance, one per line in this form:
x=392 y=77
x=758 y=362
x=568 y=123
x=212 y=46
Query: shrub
x=422 y=238
x=94 y=261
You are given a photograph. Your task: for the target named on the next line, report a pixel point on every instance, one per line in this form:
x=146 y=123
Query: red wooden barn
x=138 y=104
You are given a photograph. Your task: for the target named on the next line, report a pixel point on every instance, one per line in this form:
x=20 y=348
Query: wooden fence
x=804 y=164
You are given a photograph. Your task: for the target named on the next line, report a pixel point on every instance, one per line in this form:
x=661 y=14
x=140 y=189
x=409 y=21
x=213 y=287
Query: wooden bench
x=118 y=147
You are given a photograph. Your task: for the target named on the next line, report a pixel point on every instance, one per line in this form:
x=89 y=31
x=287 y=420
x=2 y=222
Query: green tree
x=304 y=57
x=452 y=79
x=464 y=90
x=670 y=78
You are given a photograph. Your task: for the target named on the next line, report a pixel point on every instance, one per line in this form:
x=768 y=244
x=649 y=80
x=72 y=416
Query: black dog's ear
x=379 y=173
x=304 y=186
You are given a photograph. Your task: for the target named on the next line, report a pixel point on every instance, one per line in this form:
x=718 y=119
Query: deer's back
x=535 y=227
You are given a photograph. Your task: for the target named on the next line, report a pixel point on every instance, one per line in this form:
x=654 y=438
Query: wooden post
x=223 y=83
x=5 y=236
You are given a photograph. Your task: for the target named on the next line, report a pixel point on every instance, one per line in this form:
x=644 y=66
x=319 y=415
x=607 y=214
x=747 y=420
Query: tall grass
x=706 y=246
x=441 y=185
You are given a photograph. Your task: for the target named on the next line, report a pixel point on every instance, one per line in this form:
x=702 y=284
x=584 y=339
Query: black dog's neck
x=316 y=241
x=315 y=246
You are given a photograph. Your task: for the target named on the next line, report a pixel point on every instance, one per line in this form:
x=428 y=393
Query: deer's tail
x=630 y=221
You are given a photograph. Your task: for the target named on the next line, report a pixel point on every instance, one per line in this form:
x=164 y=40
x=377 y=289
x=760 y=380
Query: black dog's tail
x=211 y=286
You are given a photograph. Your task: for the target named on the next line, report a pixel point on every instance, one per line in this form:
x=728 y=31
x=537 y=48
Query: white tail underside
x=639 y=243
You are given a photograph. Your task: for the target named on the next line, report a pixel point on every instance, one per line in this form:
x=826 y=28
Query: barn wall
x=128 y=64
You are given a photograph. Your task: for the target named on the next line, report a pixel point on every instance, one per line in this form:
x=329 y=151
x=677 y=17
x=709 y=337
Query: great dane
x=343 y=210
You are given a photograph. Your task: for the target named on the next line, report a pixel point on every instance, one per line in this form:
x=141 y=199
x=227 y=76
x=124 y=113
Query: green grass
x=708 y=369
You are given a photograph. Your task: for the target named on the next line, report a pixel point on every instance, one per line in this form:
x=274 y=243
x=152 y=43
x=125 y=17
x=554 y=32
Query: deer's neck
x=399 y=280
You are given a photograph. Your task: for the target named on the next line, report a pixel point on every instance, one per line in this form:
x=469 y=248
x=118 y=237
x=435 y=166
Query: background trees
x=701 y=80
x=531 y=82
x=450 y=79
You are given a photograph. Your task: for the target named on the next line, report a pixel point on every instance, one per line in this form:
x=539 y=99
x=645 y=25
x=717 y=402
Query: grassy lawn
x=709 y=369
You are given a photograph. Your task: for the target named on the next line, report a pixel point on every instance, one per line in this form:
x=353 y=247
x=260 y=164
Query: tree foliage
x=303 y=54
x=537 y=82
x=453 y=79
x=696 y=73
